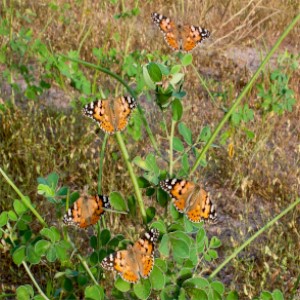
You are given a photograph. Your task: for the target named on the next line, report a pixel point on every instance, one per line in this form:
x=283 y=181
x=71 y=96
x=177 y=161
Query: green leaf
x=141 y=163
x=277 y=295
x=161 y=264
x=175 y=69
x=41 y=247
x=3 y=218
x=180 y=247
x=154 y=72
x=142 y=289
x=19 y=255
x=215 y=242
x=205 y=134
x=218 y=287
x=187 y=59
x=31 y=255
x=94 y=292
x=148 y=79
x=94 y=241
x=19 y=207
x=46 y=190
x=150 y=213
x=164 y=247
x=49 y=234
x=122 y=285
x=197 y=282
x=213 y=254
x=186 y=133
x=25 y=292
x=176 y=78
x=12 y=215
x=163 y=68
x=157 y=278
x=117 y=201
x=51 y=254
x=265 y=295
x=56 y=234
x=233 y=295
x=177 y=110
x=185 y=163
x=143 y=182
x=105 y=236
x=61 y=251
x=160 y=225
x=52 y=180
x=177 y=144
x=162 y=197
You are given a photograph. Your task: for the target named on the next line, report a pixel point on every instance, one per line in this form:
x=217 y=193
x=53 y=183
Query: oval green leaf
x=117 y=201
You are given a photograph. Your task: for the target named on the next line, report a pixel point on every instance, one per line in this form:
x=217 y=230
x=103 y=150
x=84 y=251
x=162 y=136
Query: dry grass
x=249 y=188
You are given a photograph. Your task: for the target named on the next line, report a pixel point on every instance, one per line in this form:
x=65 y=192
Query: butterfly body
x=135 y=262
x=111 y=117
x=180 y=37
x=86 y=211
x=190 y=199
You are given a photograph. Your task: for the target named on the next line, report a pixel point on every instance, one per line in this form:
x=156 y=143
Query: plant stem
x=101 y=163
x=171 y=147
x=25 y=200
x=129 y=89
x=87 y=269
x=249 y=241
x=132 y=176
x=243 y=93
x=34 y=281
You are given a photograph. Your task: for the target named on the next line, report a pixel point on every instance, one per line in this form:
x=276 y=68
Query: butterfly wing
x=123 y=107
x=123 y=262
x=144 y=252
x=193 y=36
x=179 y=190
x=86 y=211
x=101 y=112
x=168 y=28
x=199 y=206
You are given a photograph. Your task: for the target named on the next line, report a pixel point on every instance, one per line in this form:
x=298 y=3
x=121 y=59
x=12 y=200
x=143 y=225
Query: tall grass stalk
x=243 y=93
x=25 y=200
x=101 y=158
x=252 y=238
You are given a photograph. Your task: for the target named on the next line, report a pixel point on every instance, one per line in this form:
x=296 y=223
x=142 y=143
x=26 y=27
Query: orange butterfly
x=86 y=211
x=111 y=118
x=135 y=262
x=183 y=38
x=189 y=198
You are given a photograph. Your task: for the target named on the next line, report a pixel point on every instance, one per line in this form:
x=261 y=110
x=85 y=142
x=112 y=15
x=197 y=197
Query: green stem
x=101 y=163
x=171 y=146
x=243 y=93
x=34 y=281
x=85 y=265
x=132 y=176
x=203 y=83
x=129 y=89
x=25 y=200
x=249 y=241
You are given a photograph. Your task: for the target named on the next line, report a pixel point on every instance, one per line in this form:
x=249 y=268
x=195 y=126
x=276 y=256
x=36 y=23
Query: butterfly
x=135 y=262
x=178 y=37
x=111 y=117
x=189 y=198
x=86 y=211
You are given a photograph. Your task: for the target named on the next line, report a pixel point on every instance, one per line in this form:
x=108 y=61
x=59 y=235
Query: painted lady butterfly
x=111 y=118
x=189 y=198
x=135 y=262
x=178 y=37
x=86 y=211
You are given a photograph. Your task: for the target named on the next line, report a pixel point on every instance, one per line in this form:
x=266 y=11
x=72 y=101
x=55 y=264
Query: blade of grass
x=129 y=89
x=243 y=93
x=132 y=176
x=24 y=199
x=101 y=163
x=251 y=239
